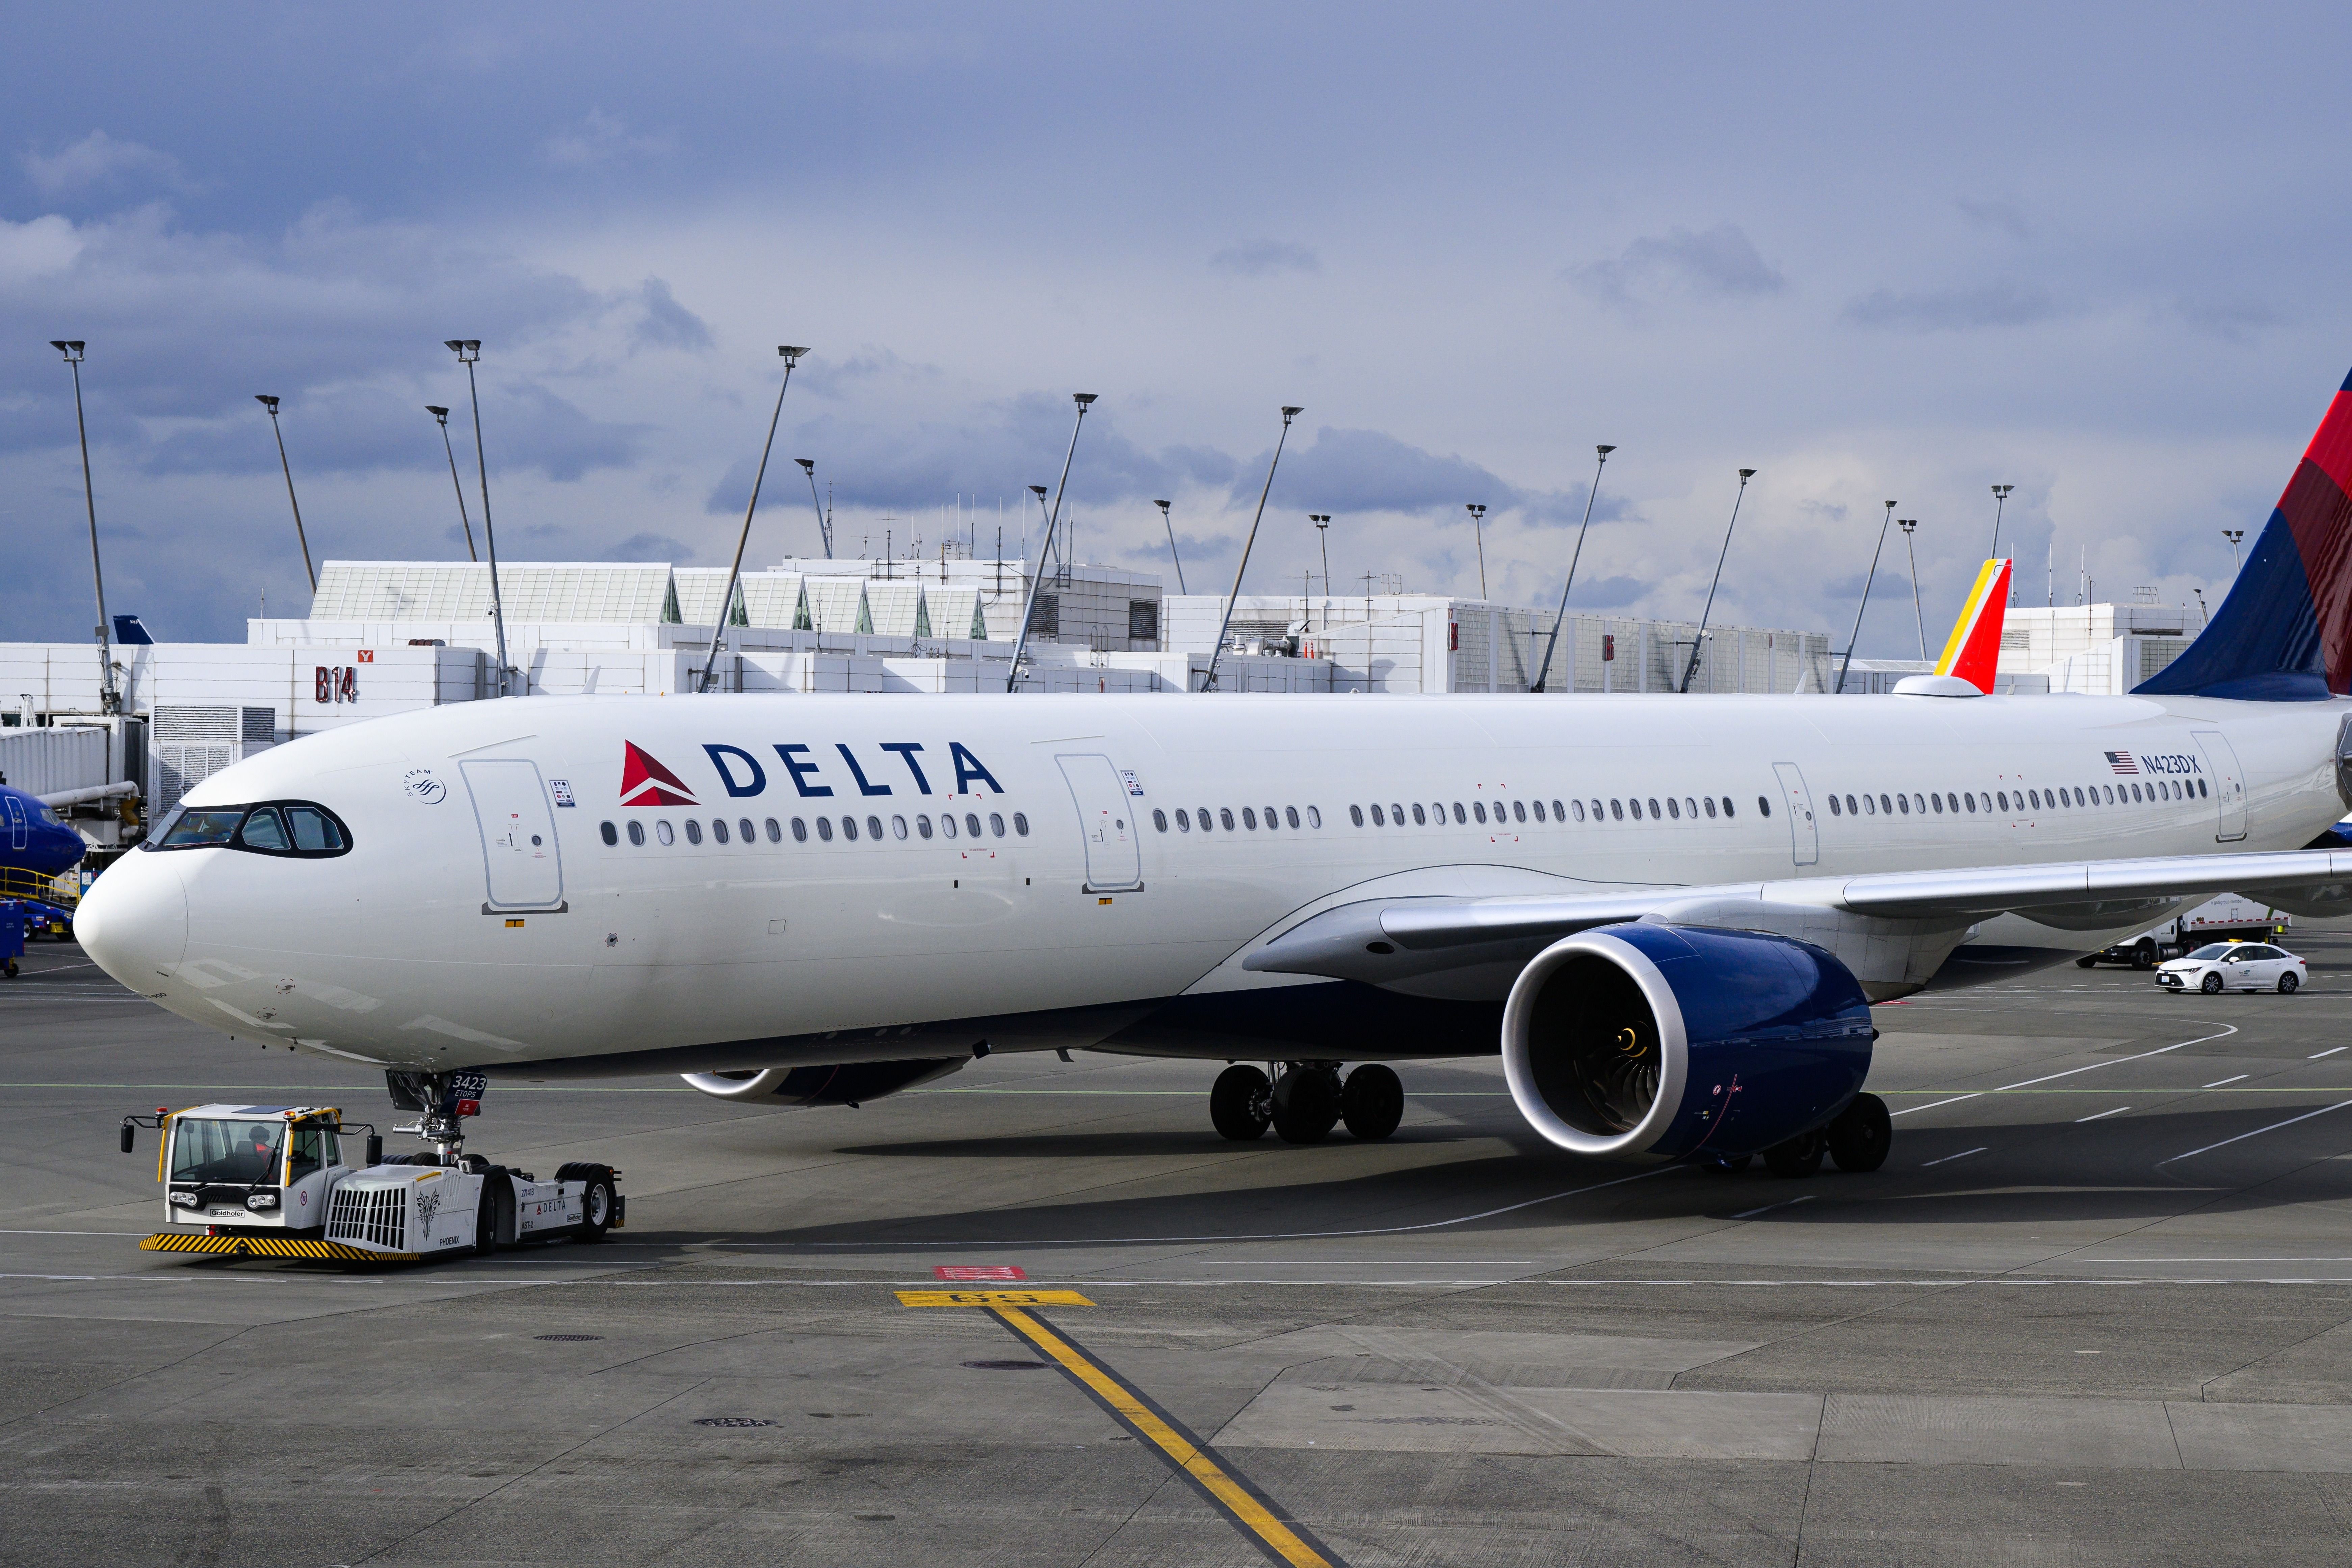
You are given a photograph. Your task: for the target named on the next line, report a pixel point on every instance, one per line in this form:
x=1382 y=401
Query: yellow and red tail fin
x=1973 y=652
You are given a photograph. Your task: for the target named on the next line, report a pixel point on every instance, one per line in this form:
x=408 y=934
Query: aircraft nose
x=133 y=922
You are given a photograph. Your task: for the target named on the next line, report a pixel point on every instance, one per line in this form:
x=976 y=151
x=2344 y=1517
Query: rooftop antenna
x=1478 y=523
x=1908 y=525
x=1553 y=642
x=1217 y=648
x=1171 y=546
x=791 y=356
x=272 y=403
x=1699 y=638
x=109 y=701
x=1847 y=662
x=470 y=349
x=1020 y=642
x=823 y=518
x=441 y=417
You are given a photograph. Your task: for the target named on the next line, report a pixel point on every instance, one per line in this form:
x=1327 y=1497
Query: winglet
x=1973 y=652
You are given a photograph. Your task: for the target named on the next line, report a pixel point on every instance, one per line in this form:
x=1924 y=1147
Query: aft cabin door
x=2229 y=784
x=1114 y=854
x=1804 y=834
x=517 y=834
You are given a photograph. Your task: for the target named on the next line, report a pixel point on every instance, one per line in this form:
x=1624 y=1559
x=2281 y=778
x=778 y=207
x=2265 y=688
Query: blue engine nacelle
x=1682 y=1040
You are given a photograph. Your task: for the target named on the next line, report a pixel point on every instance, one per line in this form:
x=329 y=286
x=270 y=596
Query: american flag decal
x=2122 y=763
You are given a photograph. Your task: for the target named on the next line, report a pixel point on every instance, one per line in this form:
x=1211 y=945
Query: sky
x=1873 y=253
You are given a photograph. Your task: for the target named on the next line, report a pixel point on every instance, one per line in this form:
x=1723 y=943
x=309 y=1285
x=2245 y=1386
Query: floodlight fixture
x=1322 y=522
x=1910 y=525
x=2233 y=535
x=1216 y=649
x=69 y=347
x=1699 y=638
x=109 y=697
x=823 y=518
x=441 y=417
x=791 y=356
x=1478 y=523
x=299 y=537
x=1085 y=400
x=1171 y=527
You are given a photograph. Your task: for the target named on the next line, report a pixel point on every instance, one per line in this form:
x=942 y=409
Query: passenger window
x=1356 y=812
x=662 y=831
x=1673 y=809
x=1635 y=808
x=1459 y=815
x=751 y=835
x=1690 y=808
x=1557 y=813
x=1396 y=813
x=1314 y=816
x=1519 y=811
x=1272 y=821
x=996 y=823
x=1380 y=817
x=776 y=834
x=1183 y=820
x=262 y=829
x=1159 y=819
x=1290 y=814
x=2202 y=791
x=1419 y=818
x=693 y=831
x=1726 y=806
x=1849 y=805
x=1710 y=805
x=1249 y=819
x=718 y=829
x=800 y=830
x=1020 y=824
x=1936 y=801
x=825 y=828
x=1539 y=809
x=1579 y=811
x=1869 y=807
x=1835 y=809
x=948 y=823
x=1480 y=807
x=1653 y=808
x=849 y=829
x=1617 y=811
x=897 y=827
x=1764 y=804
x=605 y=831
x=923 y=826
x=972 y=823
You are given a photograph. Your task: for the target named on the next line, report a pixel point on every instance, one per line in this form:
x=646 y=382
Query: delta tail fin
x=1973 y=651
x=2284 y=634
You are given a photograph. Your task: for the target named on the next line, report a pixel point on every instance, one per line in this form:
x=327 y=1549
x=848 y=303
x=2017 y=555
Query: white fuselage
x=441 y=938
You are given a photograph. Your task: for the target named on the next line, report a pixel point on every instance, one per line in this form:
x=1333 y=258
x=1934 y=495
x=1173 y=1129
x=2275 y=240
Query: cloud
x=666 y=324
x=2008 y=216
x=1721 y=262
x=1367 y=470
x=650 y=547
x=36 y=250
x=98 y=158
x=601 y=141
x=1261 y=257
x=2233 y=321
x=2002 y=304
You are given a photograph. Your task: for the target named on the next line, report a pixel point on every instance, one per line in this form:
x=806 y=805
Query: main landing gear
x=1307 y=1101
x=1858 y=1138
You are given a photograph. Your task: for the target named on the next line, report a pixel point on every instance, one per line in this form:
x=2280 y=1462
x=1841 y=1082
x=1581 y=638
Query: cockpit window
x=243 y=1153
x=289 y=828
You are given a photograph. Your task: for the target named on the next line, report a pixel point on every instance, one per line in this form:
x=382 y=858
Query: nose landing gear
x=1305 y=1101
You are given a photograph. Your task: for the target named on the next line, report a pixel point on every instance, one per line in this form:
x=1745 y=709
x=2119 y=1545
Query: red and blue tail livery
x=2284 y=634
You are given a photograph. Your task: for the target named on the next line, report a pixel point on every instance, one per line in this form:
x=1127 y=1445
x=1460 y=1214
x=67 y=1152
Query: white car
x=2234 y=966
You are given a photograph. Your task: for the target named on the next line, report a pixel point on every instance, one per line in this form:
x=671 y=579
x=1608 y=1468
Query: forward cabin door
x=1804 y=834
x=1114 y=853
x=519 y=853
x=2229 y=784
x=19 y=829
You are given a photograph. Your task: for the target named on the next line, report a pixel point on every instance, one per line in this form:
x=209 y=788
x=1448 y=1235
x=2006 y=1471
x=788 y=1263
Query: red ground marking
x=978 y=1271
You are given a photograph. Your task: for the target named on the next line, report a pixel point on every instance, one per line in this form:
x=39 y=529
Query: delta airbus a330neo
x=1669 y=914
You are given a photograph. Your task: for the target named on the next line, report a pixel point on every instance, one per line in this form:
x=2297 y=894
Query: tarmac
x=2096 y=1309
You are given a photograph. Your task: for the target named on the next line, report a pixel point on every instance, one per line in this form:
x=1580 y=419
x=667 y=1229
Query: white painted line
x=1768 y=1209
x=2219 y=1081
x=74 y=1233
x=2259 y=1132
x=1961 y=1156
x=2328 y=1052
x=2102 y=1116
x=2047 y=1078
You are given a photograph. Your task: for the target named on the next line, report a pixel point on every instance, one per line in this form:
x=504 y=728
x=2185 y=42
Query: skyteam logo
x=644 y=781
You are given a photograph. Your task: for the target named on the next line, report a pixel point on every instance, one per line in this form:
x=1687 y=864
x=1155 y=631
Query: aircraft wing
x=1382 y=940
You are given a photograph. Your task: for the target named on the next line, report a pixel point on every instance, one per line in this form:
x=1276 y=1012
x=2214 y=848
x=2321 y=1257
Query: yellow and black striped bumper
x=269 y=1247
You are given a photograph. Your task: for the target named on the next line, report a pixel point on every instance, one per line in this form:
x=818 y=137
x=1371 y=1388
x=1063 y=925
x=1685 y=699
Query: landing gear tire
x=1798 y=1157
x=1306 y=1104
x=2289 y=985
x=2088 y=962
x=1371 y=1102
x=2210 y=984
x=1861 y=1134
x=1241 y=1104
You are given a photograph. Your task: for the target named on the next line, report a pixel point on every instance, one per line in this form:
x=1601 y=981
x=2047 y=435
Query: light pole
x=1908 y=525
x=1999 y=499
x=1322 y=522
x=1171 y=546
x=1699 y=638
x=791 y=356
x=1545 y=673
x=1217 y=648
x=2233 y=535
x=468 y=351
x=109 y=701
x=1847 y=662
x=1044 y=516
x=1085 y=400
x=441 y=416
x=1479 y=522
x=824 y=523
x=272 y=403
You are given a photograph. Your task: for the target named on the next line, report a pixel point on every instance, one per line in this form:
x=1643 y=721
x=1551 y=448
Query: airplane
x=1670 y=915
x=35 y=846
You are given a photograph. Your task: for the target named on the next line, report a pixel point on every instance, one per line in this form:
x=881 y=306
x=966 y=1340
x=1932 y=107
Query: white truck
x=2227 y=918
x=273 y=1181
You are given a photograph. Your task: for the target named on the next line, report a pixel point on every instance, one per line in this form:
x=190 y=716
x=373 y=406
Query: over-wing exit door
x=1114 y=856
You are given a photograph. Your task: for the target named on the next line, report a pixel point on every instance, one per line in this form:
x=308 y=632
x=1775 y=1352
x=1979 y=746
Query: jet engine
x=843 y=1083
x=1681 y=1040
